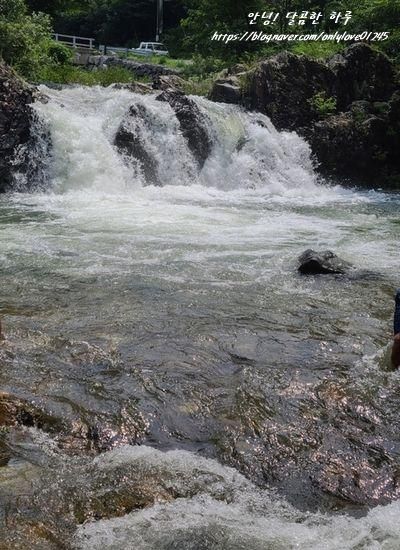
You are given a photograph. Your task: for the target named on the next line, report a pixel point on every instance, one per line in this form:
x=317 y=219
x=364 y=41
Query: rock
x=362 y=143
x=170 y=83
x=137 y=68
x=16 y=411
x=227 y=90
x=15 y=120
x=283 y=86
x=129 y=141
x=135 y=87
x=347 y=107
x=193 y=124
x=361 y=73
x=326 y=262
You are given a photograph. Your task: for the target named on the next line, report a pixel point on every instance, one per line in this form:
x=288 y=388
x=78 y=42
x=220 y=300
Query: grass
x=317 y=50
x=176 y=64
x=69 y=74
x=197 y=85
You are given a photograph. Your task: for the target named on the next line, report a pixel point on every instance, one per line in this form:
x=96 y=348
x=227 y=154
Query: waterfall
x=247 y=151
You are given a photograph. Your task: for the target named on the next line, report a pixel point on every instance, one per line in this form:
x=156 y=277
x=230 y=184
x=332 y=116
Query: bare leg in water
x=396 y=341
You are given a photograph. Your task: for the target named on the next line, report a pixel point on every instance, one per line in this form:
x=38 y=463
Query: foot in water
x=396 y=328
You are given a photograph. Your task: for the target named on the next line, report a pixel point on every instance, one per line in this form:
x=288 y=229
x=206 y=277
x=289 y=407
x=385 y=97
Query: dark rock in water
x=193 y=124
x=130 y=142
x=326 y=262
x=15 y=120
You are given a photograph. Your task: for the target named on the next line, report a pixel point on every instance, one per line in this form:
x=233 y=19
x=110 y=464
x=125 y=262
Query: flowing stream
x=173 y=382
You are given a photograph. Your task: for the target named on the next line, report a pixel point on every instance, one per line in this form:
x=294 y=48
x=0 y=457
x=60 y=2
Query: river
x=177 y=384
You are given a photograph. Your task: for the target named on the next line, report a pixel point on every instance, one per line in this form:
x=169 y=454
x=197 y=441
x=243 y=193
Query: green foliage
x=197 y=85
x=59 y=53
x=12 y=10
x=69 y=74
x=24 y=39
x=317 y=50
x=205 y=17
x=323 y=105
x=202 y=66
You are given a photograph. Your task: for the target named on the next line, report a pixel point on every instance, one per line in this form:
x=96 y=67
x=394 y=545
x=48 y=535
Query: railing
x=75 y=41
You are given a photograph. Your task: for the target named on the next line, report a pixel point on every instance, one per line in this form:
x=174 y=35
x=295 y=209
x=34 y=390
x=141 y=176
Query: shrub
x=323 y=105
x=59 y=53
x=68 y=74
x=317 y=50
x=24 y=39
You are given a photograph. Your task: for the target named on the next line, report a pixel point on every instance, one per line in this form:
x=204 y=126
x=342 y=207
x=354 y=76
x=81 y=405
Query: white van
x=151 y=48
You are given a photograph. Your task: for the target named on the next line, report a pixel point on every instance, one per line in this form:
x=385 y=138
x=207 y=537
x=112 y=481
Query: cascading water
x=248 y=153
x=158 y=315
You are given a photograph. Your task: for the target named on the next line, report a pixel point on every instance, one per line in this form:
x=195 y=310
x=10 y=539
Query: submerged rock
x=193 y=124
x=325 y=262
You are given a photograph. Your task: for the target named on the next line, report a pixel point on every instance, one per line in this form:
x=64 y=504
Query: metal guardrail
x=75 y=41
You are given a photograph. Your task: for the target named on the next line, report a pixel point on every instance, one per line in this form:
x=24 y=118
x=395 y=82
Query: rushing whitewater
x=169 y=379
x=248 y=152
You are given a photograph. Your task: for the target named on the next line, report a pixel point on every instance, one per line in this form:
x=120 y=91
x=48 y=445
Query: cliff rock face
x=348 y=108
x=282 y=86
x=15 y=120
x=362 y=143
x=361 y=73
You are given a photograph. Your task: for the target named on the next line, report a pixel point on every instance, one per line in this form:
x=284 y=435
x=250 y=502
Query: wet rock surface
x=193 y=124
x=312 y=262
x=15 y=121
x=129 y=141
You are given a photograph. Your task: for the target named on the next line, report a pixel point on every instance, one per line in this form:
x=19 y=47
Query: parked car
x=150 y=48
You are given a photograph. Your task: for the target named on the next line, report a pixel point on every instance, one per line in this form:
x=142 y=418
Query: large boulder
x=361 y=143
x=129 y=142
x=15 y=121
x=227 y=90
x=347 y=107
x=282 y=87
x=193 y=124
x=361 y=73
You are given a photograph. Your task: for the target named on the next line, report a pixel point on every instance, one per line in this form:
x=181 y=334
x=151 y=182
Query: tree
x=24 y=39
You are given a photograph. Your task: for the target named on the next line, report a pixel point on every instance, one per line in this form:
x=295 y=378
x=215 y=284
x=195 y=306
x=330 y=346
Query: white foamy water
x=222 y=510
x=257 y=193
